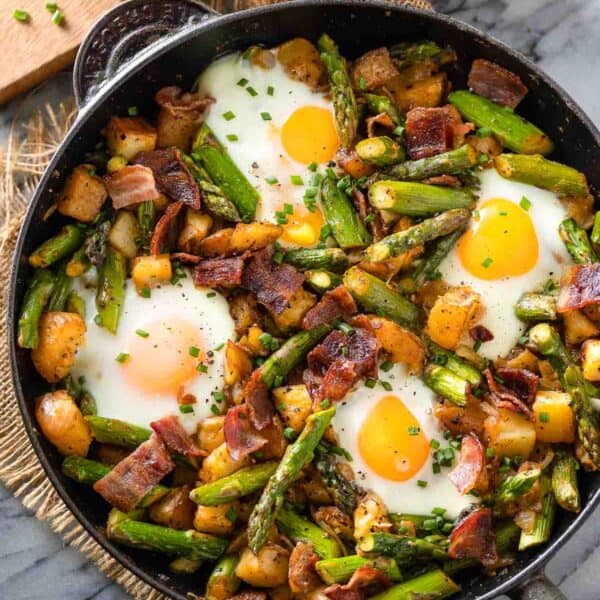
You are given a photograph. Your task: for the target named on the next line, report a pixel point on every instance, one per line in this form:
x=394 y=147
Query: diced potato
x=174 y=510
x=127 y=136
x=488 y=145
x=403 y=345
x=524 y=360
x=460 y=420
x=150 y=271
x=216 y=244
x=554 y=417
x=509 y=433
x=267 y=569
x=124 y=233
x=219 y=464
x=195 y=228
x=276 y=443
x=353 y=164
x=244 y=311
x=430 y=291
x=452 y=315
x=427 y=92
x=592 y=312
x=61 y=334
x=253 y=236
x=370 y=515
x=218 y=520
x=239 y=364
x=548 y=378
x=581 y=209
x=301 y=61
x=252 y=342
x=373 y=69
x=294 y=404
x=590 y=357
x=176 y=128
x=83 y=195
x=291 y=318
x=210 y=433
x=578 y=327
x=62 y=423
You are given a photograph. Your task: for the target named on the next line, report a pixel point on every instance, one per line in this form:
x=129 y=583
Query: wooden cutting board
x=33 y=51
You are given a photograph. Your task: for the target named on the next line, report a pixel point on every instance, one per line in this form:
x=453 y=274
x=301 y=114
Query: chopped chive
x=296 y=180
x=436 y=510
x=219 y=347
x=429 y=524
x=386 y=366
x=270 y=90
x=278 y=380
x=20 y=15
x=325 y=404
x=229 y=115
x=344 y=327
x=525 y=204
x=345 y=351
x=231 y=514
x=399 y=131
x=277 y=258
x=122 y=357
x=142 y=333
x=362 y=84
x=202 y=368
x=370 y=382
x=146 y=293
x=51 y=6
x=133 y=111
x=386 y=385
x=242 y=82
x=435 y=467
x=186 y=409
x=265 y=116
x=544 y=417
x=310 y=203
x=370 y=218
x=289 y=434
x=98 y=320
x=272 y=180
x=311 y=192
x=58 y=17
x=232 y=137
x=312 y=166
x=281 y=218
x=288 y=209
x=251 y=91
x=487 y=262
x=434 y=444
x=503 y=213
x=218 y=395
x=421 y=483
x=211 y=294
x=477 y=345
x=476 y=214
x=195 y=352
x=214 y=409
x=412 y=430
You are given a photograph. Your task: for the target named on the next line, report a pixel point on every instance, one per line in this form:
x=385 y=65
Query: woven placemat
x=22 y=161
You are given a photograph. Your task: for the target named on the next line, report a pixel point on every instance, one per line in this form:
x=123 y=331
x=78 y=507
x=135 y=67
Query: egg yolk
x=500 y=243
x=303 y=227
x=391 y=442
x=166 y=358
x=309 y=135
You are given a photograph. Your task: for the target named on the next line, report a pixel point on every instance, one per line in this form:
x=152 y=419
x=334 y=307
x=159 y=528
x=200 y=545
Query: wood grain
x=33 y=51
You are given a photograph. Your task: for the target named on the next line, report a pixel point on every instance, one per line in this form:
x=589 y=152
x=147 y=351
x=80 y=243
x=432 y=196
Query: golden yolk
x=303 y=227
x=501 y=243
x=162 y=362
x=391 y=441
x=309 y=135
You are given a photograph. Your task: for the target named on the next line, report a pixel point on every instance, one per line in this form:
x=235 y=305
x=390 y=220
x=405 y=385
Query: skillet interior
x=357 y=27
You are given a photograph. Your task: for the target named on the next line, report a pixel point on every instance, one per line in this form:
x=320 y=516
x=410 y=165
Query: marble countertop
x=563 y=37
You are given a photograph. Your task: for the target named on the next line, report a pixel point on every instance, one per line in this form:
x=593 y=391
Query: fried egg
x=273 y=127
x=166 y=346
x=389 y=435
x=512 y=246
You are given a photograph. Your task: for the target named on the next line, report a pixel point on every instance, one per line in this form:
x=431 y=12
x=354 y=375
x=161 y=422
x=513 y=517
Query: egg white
x=399 y=496
x=500 y=296
x=118 y=398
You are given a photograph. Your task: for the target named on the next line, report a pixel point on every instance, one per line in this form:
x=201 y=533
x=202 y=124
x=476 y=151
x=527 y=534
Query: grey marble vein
x=563 y=37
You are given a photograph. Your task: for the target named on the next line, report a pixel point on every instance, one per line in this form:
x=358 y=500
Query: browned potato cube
x=238 y=362
x=301 y=61
x=590 y=357
x=195 y=228
x=268 y=568
x=83 y=195
x=216 y=244
x=210 y=433
x=511 y=434
x=176 y=128
x=373 y=70
x=217 y=520
x=578 y=327
x=252 y=236
x=150 y=271
x=175 y=510
x=291 y=318
x=425 y=92
x=128 y=136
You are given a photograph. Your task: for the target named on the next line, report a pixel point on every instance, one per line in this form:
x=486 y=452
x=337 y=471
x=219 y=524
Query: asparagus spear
x=34 y=303
x=513 y=131
x=380 y=151
x=427 y=268
x=514 y=486
x=564 y=481
x=223 y=582
x=78 y=264
x=321 y=280
x=416 y=199
x=344 y=102
x=305 y=259
x=374 y=295
x=76 y=304
x=339 y=570
x=209 y=152
x=410 y=53
x=447 y=384
x=544 y=520
x=185 y=566
x=404 y=549
x=116 y=432
x=348 y=230
x=241 y=483
x=111 y=289
x=433 y=584
x=146 y=215
x=382 y=104
x=536 y=307
x=299 y=529
x=452 y=362
x=296 y=457
x=62 y=289
x=189 y=544
x=422 y=232
x=68 y=239
x=595 y=235
x=282 y=361
x=541 y=172
x=577 y=242
x=342 y=491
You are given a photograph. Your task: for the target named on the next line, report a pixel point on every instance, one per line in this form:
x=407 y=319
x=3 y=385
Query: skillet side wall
x=357 y=29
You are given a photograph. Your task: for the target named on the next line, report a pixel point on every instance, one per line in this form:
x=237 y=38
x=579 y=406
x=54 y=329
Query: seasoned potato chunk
x=62 y=423
x=150 y=271
x=61 y=334
x=239 y=364
x=578 y=327
x=128 y=136
x=267 y=569
x=554 y=418
x=219 y=464
x=301 y=61
x=124 y=233
x=175 y=510
x=294 y=404
x=252 y=236
x=291 y=318
x=195 y=228
x=590 y=354
x=373 y=70
x=403 y=345
x=210 y=433
x=460 y=420
x=83 y=195
x=511 y=434
x=218 y=520
x=427 y=92
x=216 y=244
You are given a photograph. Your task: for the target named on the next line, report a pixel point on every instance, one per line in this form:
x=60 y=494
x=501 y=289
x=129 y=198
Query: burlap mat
x=23 y=160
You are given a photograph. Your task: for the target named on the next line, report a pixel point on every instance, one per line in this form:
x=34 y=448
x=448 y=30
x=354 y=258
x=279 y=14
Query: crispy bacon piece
x=131 y=185
x=256 y=394
x=445 y=180
x=134 y=476
x=186 y=257
x=382 y=119
x=479 y=333
x=164 y=227
x=250 y=595
x=360 y=203
x=274 y=285
x=240 y=435
x=335 y=304
x=365 y=582
x=496 y=83
x=214 y=272
x=516 y=392
x=175 y=100
x=302 y=575
x=174 y=436
x=172 y=177
x=579 y=287
x=473 y=537
x=337 y=592
x=373 y=69
x=471 y=464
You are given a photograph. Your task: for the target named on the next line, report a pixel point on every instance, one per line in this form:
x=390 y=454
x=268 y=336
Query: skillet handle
x=537 y=588
x=124 y=31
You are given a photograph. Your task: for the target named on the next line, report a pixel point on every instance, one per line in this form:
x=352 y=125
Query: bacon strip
x=302 y=575
x=249 y=595
x=496 y=83
x=240 y=435
x=131 y=185
x=517 y=392
x=274 y=285
x=365 y=582
x=175 y=437
x=163 y=228
x=473 y=537
x=175 y=100
x=335 y=304
x=579 y=287
x=186 y=257
x=256 y=394
x=214 y=272
x=133 y=477
x=382 y=119
x=471 y=463
x=172 y=176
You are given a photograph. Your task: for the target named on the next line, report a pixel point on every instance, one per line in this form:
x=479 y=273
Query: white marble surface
x=563 y=37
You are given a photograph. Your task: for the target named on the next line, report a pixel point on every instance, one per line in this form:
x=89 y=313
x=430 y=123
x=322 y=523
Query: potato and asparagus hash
x=329 y=326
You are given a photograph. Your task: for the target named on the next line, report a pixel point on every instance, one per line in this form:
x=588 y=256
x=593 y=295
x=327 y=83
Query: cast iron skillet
x=142 y=45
